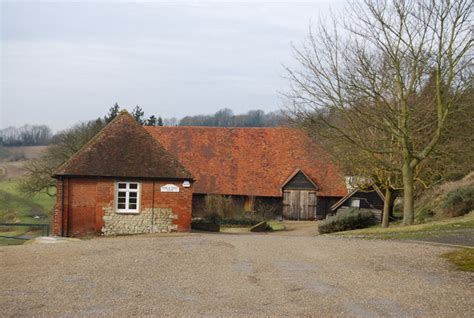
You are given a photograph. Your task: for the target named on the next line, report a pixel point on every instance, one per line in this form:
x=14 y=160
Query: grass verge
x=276 y=225
x=463 y=259
x=418 y=231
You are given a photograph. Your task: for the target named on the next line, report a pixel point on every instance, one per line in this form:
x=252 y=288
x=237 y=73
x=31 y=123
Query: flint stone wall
x=157 y=220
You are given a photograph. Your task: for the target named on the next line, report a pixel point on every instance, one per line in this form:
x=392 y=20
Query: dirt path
x=232 y=275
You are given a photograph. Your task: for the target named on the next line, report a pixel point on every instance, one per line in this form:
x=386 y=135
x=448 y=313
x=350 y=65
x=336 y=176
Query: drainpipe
x=153 y=207
x=68 y=215
x=62 y=207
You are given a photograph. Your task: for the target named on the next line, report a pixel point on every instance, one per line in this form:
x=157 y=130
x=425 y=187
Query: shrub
x=347 y=220
x=213 y=218
x=267 y=209
x=424 y=213
x=205 y=225
x=459 y=201
x=221 y=205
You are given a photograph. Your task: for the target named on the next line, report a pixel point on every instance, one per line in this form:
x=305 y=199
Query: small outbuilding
x=368 y=199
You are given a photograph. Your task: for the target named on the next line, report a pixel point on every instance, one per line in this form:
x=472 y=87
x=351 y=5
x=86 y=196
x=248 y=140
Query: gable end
x=299 y=181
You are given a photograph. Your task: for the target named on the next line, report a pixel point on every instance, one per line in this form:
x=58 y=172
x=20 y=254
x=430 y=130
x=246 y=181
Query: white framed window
x=127 y=196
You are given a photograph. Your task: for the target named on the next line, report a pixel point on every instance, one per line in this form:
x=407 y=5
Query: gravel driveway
x=232 y=275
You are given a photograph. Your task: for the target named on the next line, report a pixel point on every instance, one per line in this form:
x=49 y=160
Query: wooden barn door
x=299 y=204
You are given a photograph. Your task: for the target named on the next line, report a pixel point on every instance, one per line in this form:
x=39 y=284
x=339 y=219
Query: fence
x=44 y=230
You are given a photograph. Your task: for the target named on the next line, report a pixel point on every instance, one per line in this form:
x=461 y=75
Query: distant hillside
x=12 y=160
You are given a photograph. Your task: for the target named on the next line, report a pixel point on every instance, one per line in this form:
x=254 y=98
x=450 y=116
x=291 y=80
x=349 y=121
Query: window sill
x=127 y=212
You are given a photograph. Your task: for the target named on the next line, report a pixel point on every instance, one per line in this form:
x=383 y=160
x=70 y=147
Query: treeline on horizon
x=40 y=135
x=226 y=118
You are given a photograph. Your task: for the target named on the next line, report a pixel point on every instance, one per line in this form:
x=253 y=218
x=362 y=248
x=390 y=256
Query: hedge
x=347 y=220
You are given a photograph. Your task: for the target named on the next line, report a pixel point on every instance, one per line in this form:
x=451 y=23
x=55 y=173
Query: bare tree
x=368 y=68
x=38 y=178
x=366 y=169
x=27 y=135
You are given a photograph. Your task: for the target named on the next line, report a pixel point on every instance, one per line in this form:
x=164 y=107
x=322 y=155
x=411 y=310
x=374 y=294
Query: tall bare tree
x=367 y=169
x=370 y=66
x=38 y=178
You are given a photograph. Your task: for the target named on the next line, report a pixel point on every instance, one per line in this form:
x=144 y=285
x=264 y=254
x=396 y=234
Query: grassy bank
x=418 y=231
x=462 y=259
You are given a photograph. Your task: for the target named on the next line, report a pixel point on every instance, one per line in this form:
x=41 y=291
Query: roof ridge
x=216 y=127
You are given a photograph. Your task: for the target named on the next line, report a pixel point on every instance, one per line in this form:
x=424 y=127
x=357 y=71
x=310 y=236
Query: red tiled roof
x=249 y=161
x=124 y=149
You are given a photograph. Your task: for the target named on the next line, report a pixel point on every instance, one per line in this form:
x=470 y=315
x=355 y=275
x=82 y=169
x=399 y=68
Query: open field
x=233 y=275
x=15 y=208
x=28 y=152
x=12 y=160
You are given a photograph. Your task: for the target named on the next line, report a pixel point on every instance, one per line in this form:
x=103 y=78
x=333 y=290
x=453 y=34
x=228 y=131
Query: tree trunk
x=386 y=207
x=408 y=204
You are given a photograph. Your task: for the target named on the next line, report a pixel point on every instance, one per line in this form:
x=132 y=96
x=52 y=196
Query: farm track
x=251 y=275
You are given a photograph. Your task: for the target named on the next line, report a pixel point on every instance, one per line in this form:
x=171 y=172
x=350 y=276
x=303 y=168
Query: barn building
x=130 y=179
x=277 y=167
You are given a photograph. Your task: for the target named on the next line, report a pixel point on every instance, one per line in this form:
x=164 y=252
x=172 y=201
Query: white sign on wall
x=170 y=188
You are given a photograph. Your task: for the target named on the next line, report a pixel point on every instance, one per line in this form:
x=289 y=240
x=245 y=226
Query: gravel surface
x=232 y=275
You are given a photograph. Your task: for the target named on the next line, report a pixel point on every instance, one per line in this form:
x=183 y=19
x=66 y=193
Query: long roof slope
x=249 y=161
x=124 y=149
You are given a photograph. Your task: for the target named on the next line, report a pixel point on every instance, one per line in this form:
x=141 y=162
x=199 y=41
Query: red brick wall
x=179 y=202
x=58 y=209
x=80 y=203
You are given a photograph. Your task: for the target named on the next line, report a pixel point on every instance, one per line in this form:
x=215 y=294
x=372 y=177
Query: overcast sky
x=67 y=61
